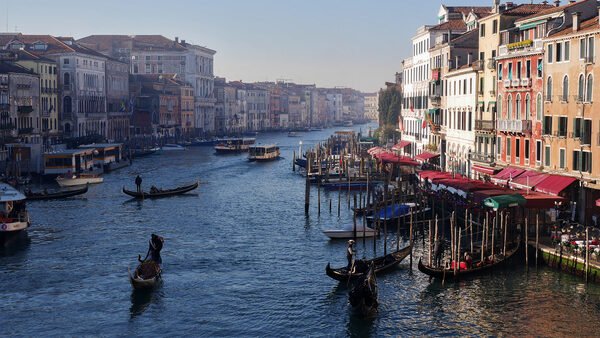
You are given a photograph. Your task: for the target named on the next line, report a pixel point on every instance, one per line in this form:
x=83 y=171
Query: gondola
x=38 y=196
x=146 y=276
x=363 y=294
x=160 y=192
x=361 y=267
x=447 y=274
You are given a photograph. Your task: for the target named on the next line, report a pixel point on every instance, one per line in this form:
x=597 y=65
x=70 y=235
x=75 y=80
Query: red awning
x=537 y=200
x=402 y=160
x=507 y=174
x=528 y=180
x=598 y=202
x=484 y=170
x=401 y=145
x=425 y=156
x=375 y=150
x=554 y=184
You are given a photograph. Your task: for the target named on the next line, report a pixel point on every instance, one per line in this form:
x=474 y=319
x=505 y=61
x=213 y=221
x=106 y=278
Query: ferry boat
x=79 y=179
x=234 y=145
x=264 y=153
x=13 y=214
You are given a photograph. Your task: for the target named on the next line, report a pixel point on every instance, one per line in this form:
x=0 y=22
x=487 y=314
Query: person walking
x=138 y=183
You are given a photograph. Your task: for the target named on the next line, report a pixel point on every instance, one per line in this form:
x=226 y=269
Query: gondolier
x=138 y=183
x=350 y=253
x=155 y=245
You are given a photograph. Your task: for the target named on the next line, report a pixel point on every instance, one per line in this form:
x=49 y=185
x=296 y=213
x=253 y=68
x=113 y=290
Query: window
x=499 y=103
x=547 y=156
x=550 y=51
x=508 y=146
x=576 y=162
x=562 y=158
x=567 y=51
x=589 y=88
x=582 y=49
x=518 y=70
x=148 y=70
x=538 y=107
x=499 y=146
x=518 y=108
x=559 y=52
x=590 y=49
x=565 y=89
x=577 y=127
x=586 y=137
x=482 y=30
x=510 y=70
x=509 y=107
x=538 y=152
x=517 y=148
x=562 y=126
x=526 y=152
x=549 y=89
x=547 y=125
x=499 y=72
x=580 y=89
x=528 y=69
x=527 y=107
x=539 y=67
x=67 y=79
x=586 y=165
x=495 y=26
x=65 y=61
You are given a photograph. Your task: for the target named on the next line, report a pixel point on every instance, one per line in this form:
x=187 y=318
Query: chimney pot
x=177 y=39
x=576 y=21
x=557 y=3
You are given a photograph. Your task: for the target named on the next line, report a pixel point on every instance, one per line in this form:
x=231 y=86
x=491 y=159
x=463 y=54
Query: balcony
x=66 y=86
x=520 y=47
x=491 y=64
x=435 y=99
x=516 y=83
x=478 y=65
x=435 y=128
x=485 y=125
x=514 y=126
x=492 y=92
x=526 y=82
x=4 y=106
x=24 y=109
x=482 y=158
x=506 y=83
x=589 y=59
x=25 y=131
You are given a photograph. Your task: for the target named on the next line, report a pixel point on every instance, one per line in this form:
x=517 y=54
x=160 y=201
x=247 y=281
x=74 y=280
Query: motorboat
x=348 y=232
x=263 y=153
x=13 y=214
x=172 y=147
x=234 y=145
x=70 y=180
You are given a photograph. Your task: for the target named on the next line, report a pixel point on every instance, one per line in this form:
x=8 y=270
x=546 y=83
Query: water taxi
x=13 y=215
x=71 y=180
x=234 y=145
x=264 y=153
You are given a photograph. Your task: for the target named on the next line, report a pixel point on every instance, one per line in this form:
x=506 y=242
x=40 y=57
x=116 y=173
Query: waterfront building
x=156 y=54
x=371 y=106
x=502 y=18
x=571 y=126
x=117 y=100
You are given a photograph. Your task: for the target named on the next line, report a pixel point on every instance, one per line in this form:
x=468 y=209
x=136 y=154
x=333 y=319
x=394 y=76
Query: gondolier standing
x=350 y=253
x=138 y=183
x=156 y=244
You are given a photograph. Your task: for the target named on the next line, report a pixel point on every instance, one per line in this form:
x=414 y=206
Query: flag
x=424 y=125
x=400 y=124
x=412 y=109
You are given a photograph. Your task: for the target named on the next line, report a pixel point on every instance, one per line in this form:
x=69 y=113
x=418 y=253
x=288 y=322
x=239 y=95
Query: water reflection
x=14 y=243
x=141 y=300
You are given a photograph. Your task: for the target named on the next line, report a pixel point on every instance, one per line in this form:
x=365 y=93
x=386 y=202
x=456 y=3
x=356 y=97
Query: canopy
x=484 y=169
x=480 y=195
x=434 y=175
x=401 y=145
x=554 y=184
x=504 y=201
x=375 y=150
x=527 y=180
x=537 y=200
x=508 y=173
x=425 y=156
x=393 y=211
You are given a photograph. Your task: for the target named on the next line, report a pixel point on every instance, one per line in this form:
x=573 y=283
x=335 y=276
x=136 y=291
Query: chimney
x=544 y=2
x=496 y=7
x=510 y=4
x=177 y=39
x=183 y=42
x=576 y=22
x=469 y=58
x=557 y=3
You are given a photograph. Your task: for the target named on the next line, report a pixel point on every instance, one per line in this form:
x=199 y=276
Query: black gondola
x=361 y=267
x=38 y=196
x=160 y=192
x=363 y=294
x=146 y=276
x=447 y=274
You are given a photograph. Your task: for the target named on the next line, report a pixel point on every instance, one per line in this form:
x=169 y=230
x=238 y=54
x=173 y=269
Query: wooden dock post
x=587 y=253
x=307 y=189
x=339 y=200
x=294 y=162
x=526 y=241
x=411 y=238
x=537 y=237
x=319 y=198
x=429 y=251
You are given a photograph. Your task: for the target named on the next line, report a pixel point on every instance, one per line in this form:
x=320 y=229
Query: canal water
x=241 y=259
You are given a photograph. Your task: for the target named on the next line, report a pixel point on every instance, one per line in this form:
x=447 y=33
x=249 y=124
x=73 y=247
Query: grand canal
x=241 y=259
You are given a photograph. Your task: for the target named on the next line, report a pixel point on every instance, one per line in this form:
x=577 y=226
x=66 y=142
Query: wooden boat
x=263 y=153
x=381 y=264
x=38 y=196
x=447 y=273
x=144 y=152
x=363 y=294
x=348 y=232
x=146 y=276
x=161 y=193
x=79 y=179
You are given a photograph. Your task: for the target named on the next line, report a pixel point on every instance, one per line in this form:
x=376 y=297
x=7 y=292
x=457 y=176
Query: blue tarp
x=393 y=211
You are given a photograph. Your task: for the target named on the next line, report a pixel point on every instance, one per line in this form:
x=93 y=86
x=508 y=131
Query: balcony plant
x=520 y=44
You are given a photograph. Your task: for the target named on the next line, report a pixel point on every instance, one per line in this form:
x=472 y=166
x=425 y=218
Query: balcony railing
x=486 y=125
x=516 y=82
x=4 y=106
x=520 y=47
x=526 y=82
x=435 y=99
x=66 y=86
x=485 y=158
x=514 y=126
x=478 y=65
x=24 y=131
x=506 y=83
x=491 y=64
x=24 y=109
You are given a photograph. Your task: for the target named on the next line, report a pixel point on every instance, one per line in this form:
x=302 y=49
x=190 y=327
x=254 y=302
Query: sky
x=350 y=43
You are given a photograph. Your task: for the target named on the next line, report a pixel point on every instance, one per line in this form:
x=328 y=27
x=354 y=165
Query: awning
x=527 y=180
x=537 y=200
x=425 y=156
x=433 y=110
x=401 y=160
x=507 y=174
x=401 y=145
x=375 y=150
x=531 y=24
x=484 y=169
x=433 y=174
x=504 y=201
x=480 y=195
x=554 y=184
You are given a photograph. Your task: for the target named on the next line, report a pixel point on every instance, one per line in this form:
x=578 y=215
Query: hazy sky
x=351 y=43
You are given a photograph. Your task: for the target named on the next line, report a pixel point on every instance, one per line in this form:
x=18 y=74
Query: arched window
x=518 y=108
x=67 y=104
x=67 y=79
x=499 y=107
x=509 y=107
x=549 y=89
x=565 y=89
x=580 y=89
x=538 y=107
x=589 y=88
x=527 y=107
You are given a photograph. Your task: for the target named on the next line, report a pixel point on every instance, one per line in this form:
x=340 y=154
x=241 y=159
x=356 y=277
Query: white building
x=372 y=106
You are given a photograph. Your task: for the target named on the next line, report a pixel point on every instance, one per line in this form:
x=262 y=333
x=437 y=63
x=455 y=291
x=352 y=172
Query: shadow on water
x=14 y=243
x=141 y=300
x=358 y=325
x=141 y=201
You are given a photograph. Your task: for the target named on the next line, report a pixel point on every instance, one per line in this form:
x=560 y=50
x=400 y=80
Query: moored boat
x=158 y=193
x=146 y=276
x=172 y=147
x=45 y=195
x=79 y=179
x=381 y=264
x=263 y=153
x=363 y=293
x=13 y=214
x=349 y=232
x=234 y=145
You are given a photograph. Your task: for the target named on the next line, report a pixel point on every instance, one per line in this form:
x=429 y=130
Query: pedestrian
x=138 y=183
